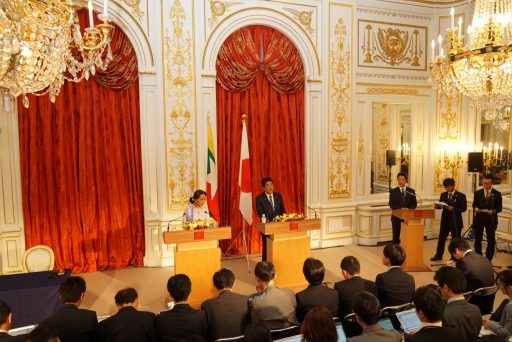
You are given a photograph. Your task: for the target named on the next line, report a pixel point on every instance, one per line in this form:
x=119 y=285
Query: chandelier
x=41 y=46
x=481 y=67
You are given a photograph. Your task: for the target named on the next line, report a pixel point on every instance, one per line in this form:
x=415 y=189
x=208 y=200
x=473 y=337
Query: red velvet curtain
x=272 y=95
x=81 y=171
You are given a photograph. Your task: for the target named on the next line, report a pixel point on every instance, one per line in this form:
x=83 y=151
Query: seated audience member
x=43 y=333
x=367 y=309
x=5 y=324
x=194 y=338
x=257 y=332
x=458 y=313
x=316 y=294
x=477 y=270
x=128 y=324
x=430 y=304
x=272 y=305
x=395 y=286
x=182 y=320
x=227 y=314
x=504 y=327
x=72 y=323
x=318 y=326
x=352 y=285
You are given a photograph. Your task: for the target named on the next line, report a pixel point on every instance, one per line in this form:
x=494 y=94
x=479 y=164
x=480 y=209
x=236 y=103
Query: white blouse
x=192 y=213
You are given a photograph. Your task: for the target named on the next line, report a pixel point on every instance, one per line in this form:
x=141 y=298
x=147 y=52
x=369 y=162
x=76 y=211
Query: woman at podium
x=197 y=209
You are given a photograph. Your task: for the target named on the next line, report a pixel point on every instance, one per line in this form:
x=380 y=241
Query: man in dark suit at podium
x=400 y=197
x=270 y=204
x=486 y=204
x=451 y=217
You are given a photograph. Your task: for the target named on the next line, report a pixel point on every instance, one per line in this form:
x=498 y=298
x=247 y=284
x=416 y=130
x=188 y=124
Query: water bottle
x=263 y=219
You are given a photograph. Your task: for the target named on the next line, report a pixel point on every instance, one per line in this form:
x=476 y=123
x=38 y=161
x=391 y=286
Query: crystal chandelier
x=502 y=118
x=482 y=68
x=41 y=46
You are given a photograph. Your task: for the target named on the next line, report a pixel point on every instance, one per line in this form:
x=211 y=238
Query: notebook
x=409 y=320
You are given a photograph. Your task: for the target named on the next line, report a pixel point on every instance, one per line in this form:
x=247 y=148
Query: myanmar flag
x=212 y=197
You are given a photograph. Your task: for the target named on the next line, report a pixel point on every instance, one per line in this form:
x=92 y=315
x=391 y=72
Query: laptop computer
x=298 y=338
x=409 y=320
x=386 y=324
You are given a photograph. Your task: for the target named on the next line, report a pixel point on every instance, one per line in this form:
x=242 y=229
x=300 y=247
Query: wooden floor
x=151 y=283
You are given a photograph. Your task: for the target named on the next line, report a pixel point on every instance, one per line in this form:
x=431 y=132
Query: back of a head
x=395 y=254
x=318 y=326
x=458 y=243
x=367 y=307
x=350 y=264
x=265 y=271
x=257 y=332
x=179 y=287
x=430 y=301
x=71 y=289
x=453 y=278
x=314 y=271
x=223 y=279
x=505 y=277
x=43 y=333
x=126 y=296
x=5 y=311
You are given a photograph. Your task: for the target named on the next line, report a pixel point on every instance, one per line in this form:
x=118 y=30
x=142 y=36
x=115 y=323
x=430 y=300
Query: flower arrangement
x=196 y=224
x=288 y=217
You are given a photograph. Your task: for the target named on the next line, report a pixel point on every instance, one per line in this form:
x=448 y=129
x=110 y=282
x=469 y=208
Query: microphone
x=311 y=209
x=173 y=220
x=415 y=195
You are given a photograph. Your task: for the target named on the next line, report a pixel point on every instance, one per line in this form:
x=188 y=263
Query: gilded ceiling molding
x=374 y=12
x=304 y=18
x=217 y=9
x=390 y=76
x=392 y=91
x=134 y=5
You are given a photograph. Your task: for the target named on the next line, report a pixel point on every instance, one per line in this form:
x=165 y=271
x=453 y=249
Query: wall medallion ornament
x=217 y=9
x=134 y=5
x=305 y=18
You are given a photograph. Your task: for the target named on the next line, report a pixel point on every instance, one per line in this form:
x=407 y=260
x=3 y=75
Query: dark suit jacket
x=477 y=269
x=227 y=315
x=348 y=289
x=180 y=322
x=74 y=324
x=263 y=205
x=435 y=334
x=5 y=337
x=397 y=202
x=459 y=204
x=395 y=287
x=128 y=325
x=494 y=202
x=464 y=317
x=314 y=296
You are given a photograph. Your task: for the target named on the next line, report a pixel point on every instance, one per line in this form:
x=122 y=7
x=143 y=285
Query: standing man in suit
x=400 y=197
x=128 y=324
x=353 y=284
x=5 y=324
x=486 y=204
x=73 y=324
x=227 y=314
x=182 y=320
x=270 y=204
x=395 y=286
x=451 y=217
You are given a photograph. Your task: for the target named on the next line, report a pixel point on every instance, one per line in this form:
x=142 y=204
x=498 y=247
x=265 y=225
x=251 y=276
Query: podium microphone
x=312 y=209
x=415 y=195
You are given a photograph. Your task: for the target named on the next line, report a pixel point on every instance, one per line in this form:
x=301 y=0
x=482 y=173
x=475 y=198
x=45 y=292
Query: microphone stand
x=311 y=209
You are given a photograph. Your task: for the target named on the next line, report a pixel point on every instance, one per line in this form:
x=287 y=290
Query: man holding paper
x=453 y=204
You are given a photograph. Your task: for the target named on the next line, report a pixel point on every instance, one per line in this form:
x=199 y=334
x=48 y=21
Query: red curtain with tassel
x=259 y=73
x=81 y=168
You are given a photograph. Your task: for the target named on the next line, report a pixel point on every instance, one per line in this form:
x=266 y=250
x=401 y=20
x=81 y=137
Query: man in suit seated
x=400 y=197
x=227 y=314
x=272 y=305
x=429 y=305
x=316 y=294
x=270 y=204
x=43 y=333
x=395 y=286
x=72 y=323
x=352 y=285
x=128 y=324
x=5 y=324
x=367 y=309
x=182 y=320
x=477 y=270
x=451 y=217
x=458 y=314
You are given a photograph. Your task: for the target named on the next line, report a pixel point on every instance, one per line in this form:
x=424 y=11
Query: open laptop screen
x=298 y=338
x=409 y=320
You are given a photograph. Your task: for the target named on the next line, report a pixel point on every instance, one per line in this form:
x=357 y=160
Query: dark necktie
x=450 y=196
x=271 y=202
x=403 y=195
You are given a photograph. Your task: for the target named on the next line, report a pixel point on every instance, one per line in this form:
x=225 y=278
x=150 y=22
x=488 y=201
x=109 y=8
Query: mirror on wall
x=391 y=131
x=495 y=157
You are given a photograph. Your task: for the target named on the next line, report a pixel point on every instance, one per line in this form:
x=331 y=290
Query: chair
x=22 y=330
x=38 y=258
x=350 y=325
x=284 y=332
x=231 y=339
x=390 y=311
x=483 y=298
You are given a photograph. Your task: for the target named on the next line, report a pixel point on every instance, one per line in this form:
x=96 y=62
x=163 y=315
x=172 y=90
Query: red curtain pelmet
x=275 y=123
x=82 y=174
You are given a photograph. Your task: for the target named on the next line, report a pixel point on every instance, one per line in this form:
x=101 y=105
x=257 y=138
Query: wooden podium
x=412 y=237
x=287 y=247
x=197 y=254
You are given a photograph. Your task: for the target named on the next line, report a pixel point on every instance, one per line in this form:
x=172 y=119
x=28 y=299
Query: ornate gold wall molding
x=449 y=116
x=360 y=149
x=340 y=100
x=179 y=105
x=393 y=14
x=217 y=10
x=390 y=76
x=392 y=91
x=134 y=5
x=381 y=139
x=304 y=18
